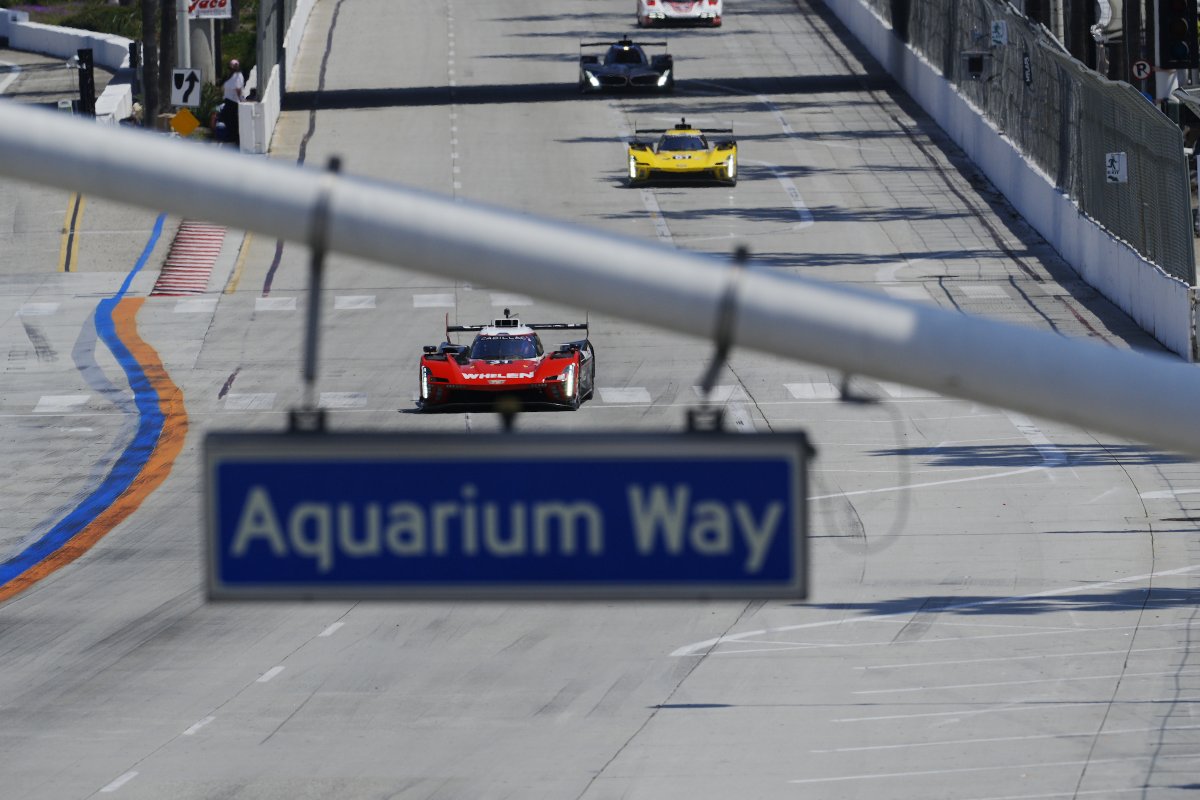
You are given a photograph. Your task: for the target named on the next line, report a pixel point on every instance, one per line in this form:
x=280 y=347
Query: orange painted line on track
x=157 y=468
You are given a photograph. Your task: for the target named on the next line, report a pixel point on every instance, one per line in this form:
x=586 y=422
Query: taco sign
x=209 y=9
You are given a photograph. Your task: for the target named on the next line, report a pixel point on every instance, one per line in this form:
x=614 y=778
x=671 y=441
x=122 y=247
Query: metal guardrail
x=1064 y=117
x=1145 y=397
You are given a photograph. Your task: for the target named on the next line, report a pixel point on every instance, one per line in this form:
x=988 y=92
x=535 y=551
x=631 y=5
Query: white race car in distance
x=651 y=13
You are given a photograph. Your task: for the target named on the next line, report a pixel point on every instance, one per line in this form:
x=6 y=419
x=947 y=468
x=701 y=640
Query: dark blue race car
x=626 y=65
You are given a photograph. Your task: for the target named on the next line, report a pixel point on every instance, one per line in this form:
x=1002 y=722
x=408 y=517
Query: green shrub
x=121 y=21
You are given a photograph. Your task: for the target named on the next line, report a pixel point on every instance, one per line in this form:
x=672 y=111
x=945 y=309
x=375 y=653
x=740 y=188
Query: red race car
x=507 y=358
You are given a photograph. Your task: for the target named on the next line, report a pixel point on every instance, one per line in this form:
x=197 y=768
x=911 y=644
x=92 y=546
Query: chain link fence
x=1065 y=118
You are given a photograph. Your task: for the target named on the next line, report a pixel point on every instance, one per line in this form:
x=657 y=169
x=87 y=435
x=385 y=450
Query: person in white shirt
x=233 y=93
x=235 y=85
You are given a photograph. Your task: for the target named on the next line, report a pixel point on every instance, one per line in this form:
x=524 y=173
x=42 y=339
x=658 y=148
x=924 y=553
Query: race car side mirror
x=430 y=349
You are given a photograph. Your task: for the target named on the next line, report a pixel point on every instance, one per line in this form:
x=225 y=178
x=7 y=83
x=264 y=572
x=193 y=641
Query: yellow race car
x=683 y=153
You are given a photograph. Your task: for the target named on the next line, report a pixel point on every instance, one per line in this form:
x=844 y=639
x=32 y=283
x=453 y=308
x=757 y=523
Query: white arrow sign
x=185 y=87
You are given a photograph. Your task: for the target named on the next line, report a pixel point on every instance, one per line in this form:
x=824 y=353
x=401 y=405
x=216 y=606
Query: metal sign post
x=535 y=516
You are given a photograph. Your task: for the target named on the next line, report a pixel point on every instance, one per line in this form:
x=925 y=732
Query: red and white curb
x=189 y=264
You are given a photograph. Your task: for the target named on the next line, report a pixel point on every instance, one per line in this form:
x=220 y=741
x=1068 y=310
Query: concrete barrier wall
x=1159 y=303
x=295 y=33
x=256 y=121
x=115 y=103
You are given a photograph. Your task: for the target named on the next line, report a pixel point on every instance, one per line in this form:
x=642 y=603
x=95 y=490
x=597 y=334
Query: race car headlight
x=662 y=79
x=424 y=382
x=568 y=377
x=592 y=79
x=632 y=167
x=731 y=167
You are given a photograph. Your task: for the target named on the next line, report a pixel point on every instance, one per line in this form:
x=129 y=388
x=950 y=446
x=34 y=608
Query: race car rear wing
x=624 y=43
x=513 y=322
x=705 y=131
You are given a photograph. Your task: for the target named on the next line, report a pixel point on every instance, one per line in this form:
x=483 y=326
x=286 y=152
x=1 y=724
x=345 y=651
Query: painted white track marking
x=8 y=80
x=789 y=188
x=269 y=674
x=274 y=304
x=1091 y=762
x=119 y=782
x=994 y=739
x=700 y=648
x=192 y=730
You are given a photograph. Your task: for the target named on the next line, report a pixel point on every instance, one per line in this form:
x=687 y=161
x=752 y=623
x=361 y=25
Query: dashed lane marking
x=627 y=394
x=789 y=188
x=263 y=401
x=901 y=392
x=433 y=301
x=274 y=304
x=814 y=390
x=197 y=305
x=60 y=403
x=1050 y=452
x=119 y=782
x=37 y=309
x=192 y=730
x=336 y=400
x=353 y=302
x=269 y=674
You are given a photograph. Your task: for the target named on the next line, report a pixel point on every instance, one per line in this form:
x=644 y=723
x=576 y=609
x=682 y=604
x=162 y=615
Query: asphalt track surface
x=1002 y=607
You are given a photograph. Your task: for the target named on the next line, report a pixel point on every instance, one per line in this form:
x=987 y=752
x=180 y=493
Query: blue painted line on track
x=130 y=463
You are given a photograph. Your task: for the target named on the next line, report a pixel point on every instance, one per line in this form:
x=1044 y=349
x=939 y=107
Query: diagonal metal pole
x=1141 y=396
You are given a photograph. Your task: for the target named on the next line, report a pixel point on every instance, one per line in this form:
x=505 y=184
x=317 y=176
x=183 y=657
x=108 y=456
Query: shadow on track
x=347 y=99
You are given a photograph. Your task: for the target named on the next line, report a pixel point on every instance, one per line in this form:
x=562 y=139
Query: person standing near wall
x=234 y=92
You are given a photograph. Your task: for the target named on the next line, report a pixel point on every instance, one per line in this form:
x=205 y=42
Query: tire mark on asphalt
x=228 y=383
x=308 y=134
x=42 y=348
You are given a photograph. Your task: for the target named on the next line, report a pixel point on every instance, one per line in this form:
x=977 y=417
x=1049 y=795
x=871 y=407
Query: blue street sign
x=539 y=516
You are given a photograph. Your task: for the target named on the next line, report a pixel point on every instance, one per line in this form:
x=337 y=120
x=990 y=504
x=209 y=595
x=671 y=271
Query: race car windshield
x=671 y=143
x=505 y=348
x=623 y=55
